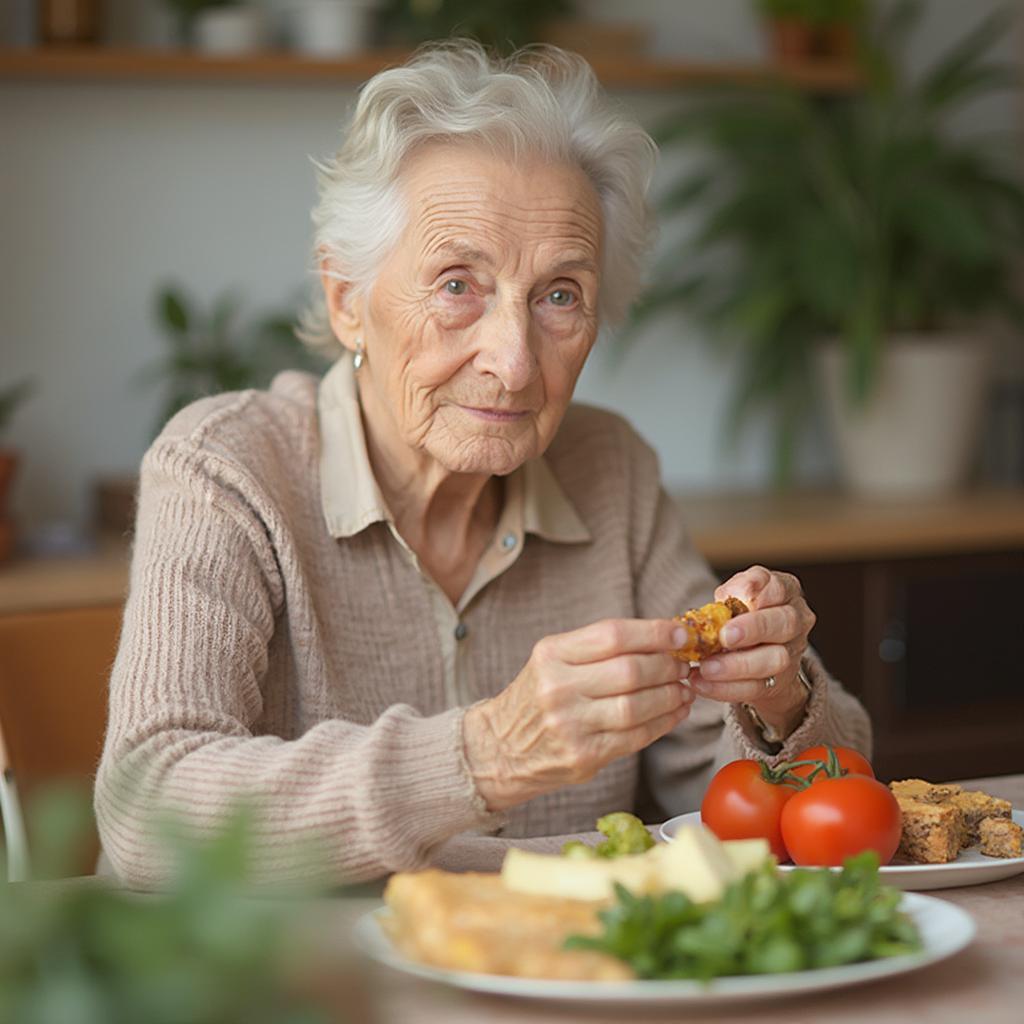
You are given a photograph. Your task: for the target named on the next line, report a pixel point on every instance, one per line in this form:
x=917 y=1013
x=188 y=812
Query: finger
x=752 y=663
x=745 y=585
x=627 y=673
x=747 y=691
x=628 y=710
x=781 y=588
x=778 y=624
x=620 y=744
x=611 y=637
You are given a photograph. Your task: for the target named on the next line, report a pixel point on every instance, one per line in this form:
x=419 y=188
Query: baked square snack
x=976 y=806
x=1001 y=837
x=931 y=832
x=927 y=792
x=703 y=625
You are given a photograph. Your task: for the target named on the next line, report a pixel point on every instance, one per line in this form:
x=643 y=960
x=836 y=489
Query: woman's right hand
x=583 y=699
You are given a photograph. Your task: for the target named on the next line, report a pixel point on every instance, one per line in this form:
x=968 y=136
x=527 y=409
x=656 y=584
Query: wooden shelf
x=815 y=527
x=279 y=68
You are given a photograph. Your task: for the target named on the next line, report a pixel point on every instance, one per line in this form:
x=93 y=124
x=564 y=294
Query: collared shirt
x=534 y=503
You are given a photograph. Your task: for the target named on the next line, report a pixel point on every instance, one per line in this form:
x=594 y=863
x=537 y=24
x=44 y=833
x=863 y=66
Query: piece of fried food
x=930 y=833
x=703 y=625
x=471 y=922
x=1001 y=837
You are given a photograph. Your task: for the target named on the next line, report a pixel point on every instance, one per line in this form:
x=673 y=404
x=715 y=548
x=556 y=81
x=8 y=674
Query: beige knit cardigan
x=263 y=658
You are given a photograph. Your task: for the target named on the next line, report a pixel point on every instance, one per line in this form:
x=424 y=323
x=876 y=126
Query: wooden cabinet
x=931 y=647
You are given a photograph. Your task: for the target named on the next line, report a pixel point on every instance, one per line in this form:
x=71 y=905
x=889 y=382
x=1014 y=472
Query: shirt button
x=508 y=542
x=461 y=630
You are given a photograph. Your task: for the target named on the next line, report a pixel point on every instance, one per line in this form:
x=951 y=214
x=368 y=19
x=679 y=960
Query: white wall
x=109 y=189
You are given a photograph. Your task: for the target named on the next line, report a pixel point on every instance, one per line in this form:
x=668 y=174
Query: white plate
x=970 y=868
x=945 y=930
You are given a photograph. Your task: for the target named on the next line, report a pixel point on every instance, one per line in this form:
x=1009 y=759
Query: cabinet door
x=944 y=675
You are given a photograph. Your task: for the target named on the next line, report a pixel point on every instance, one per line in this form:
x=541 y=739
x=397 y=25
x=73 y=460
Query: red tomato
x=853 y=762
x=838 y=818
x=741 y=803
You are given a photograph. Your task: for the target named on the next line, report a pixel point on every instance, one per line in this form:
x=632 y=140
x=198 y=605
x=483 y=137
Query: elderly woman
x=428 y=597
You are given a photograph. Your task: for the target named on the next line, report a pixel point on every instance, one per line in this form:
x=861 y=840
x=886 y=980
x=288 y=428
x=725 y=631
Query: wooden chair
x=54 y=668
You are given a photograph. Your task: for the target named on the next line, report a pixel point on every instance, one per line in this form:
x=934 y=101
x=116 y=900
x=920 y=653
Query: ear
x=344 y=305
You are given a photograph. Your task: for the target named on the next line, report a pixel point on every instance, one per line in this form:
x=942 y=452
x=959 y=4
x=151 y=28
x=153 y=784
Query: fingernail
x=711 y=668
x=731 y=635
x=702 y=687
x=679 y=636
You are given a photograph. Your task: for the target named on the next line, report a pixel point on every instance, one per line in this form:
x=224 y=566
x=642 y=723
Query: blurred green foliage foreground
x=207 y=950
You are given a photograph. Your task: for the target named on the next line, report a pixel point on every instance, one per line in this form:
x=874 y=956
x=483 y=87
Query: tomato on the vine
x=850 y=761
x=836 y=818
x=743 y=802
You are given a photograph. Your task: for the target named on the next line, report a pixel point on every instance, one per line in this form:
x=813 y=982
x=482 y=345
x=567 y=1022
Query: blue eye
x=562 y=297
x=456 y=287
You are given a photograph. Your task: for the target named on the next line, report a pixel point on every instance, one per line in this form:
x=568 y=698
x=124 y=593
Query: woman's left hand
x=765 y=643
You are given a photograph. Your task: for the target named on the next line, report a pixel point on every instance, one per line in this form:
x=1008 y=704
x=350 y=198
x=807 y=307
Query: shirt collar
x=351 y=500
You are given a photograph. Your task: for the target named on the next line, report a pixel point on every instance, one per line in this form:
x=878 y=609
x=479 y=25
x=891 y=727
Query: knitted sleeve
x=186 y=699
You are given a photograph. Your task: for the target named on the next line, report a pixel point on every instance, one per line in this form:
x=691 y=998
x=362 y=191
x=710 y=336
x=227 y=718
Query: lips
x=496 y=414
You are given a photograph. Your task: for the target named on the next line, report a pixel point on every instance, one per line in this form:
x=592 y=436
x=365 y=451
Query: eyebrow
x=464 y=252
x=471 y=254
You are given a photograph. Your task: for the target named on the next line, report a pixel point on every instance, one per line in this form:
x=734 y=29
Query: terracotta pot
x=918 y=432
x=8 y=467
x=792 y=39
x=837 y=42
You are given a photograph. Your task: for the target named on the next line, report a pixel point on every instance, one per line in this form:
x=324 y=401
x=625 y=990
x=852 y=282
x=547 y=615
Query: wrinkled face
x=480 y=321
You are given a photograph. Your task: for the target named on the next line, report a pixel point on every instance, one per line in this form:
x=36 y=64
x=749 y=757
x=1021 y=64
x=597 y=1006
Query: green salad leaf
x=765 y=923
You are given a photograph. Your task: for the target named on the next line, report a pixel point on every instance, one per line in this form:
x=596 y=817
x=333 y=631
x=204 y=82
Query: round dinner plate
x=945 y=929
x=970 y=868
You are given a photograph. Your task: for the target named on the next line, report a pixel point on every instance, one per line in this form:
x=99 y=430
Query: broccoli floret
x=626 y=834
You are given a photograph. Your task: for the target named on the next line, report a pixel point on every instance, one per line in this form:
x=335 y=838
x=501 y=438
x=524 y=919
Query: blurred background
x=842 y=221
x=119 y=181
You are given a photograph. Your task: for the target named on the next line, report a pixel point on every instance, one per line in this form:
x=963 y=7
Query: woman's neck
x=446 y=518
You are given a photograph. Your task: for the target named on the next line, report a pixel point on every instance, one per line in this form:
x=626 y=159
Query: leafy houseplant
x=213 y=351
x=11 y=397
x=858 y=217
x=501 y=24
x=210 y=948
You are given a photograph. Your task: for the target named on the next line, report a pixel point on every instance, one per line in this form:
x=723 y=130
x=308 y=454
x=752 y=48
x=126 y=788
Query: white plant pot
x=229 y=30
x=329 y=28
x=918 y=433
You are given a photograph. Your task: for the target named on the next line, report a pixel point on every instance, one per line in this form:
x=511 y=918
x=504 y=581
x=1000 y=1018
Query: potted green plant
x=860 y=218
x=812 y=29
x=11 y=397
x=215 y=350
x=208 y=351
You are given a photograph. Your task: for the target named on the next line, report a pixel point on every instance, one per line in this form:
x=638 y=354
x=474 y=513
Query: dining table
x=982 y=984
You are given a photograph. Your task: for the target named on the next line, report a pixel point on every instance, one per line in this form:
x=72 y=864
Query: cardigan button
x=461 y=630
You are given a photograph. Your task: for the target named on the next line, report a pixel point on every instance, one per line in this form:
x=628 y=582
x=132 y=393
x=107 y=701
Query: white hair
x=541 y=101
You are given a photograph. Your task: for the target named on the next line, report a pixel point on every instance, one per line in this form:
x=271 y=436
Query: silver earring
x=357 y=359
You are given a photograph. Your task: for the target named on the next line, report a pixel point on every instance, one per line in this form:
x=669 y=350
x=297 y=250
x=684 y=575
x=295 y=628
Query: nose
x=506 y=347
